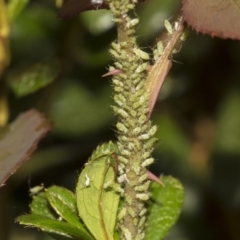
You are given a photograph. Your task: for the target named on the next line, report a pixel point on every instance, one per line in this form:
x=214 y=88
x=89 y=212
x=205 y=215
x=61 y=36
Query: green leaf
x=165 y=209
x=33 y=79
x=54 y=227
x=40 y=206
x=64 y=203
x=98 y=205
x=15 y=7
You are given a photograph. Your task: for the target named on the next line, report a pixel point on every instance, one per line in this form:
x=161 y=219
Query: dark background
x=198 y=114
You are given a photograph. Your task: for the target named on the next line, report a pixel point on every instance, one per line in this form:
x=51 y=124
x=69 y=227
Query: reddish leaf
x=19 y=140
x=71 y=8
x=220 y=18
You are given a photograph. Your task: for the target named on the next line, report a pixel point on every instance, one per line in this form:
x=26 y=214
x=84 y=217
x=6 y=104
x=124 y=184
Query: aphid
x=108 y=185
x=142 y=99
x=158 y=51
x=133 y=113
x=118 y=83
x=135 y=222
x=122 y=178
x=132 y=23
x=131 y=212
x=137 y=105
x=131 y=146
x=140 y=85
x=123 y=159
x=137 y=130
x=124 y=76
x=127 y=234
x=147 y=162
x=136 y=169
x=142 y=221
x=121 y=166
x=87 y=181
x=35 y=190
x=143 y=212
x=122 y=214
x=160 y=47
x=114 y=53
x=142 y=67
x=129 y=200
x=121 y=127
x=152 y=130
x=118 y=65
x=146 y=154
x=142 y=196
x=123 y=113
x=144 y=137
x=143 y=178
x=124 y=138
x=141 y=54
x=142 y=188
x=125 y=152
x=118 y=89
x=116 y=46
x=184 y=35
x=149 y=144
x=169 y=27
x=142 y=119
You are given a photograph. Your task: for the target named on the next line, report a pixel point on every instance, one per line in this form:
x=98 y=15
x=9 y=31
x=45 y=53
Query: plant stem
x=135 y=133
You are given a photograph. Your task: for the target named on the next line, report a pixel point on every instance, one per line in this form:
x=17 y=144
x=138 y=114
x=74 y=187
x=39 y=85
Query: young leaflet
x=92 y=196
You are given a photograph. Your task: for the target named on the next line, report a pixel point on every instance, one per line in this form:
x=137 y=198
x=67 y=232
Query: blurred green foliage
x=197 y=114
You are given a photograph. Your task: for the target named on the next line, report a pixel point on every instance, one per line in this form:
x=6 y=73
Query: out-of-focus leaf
x=175 y=142
x=97 y=22
x=228 y=126
x=33 y=79
x=19 y=140
x=98 y=205
x=220 y=18
x=152 y=14
x=64 y=203
x=4 y=111
x=4 y=34
x=165 y=209
x=54 y=227
x=75 y=110
x=15 y=7
x=34 y=34
x=58 y=3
